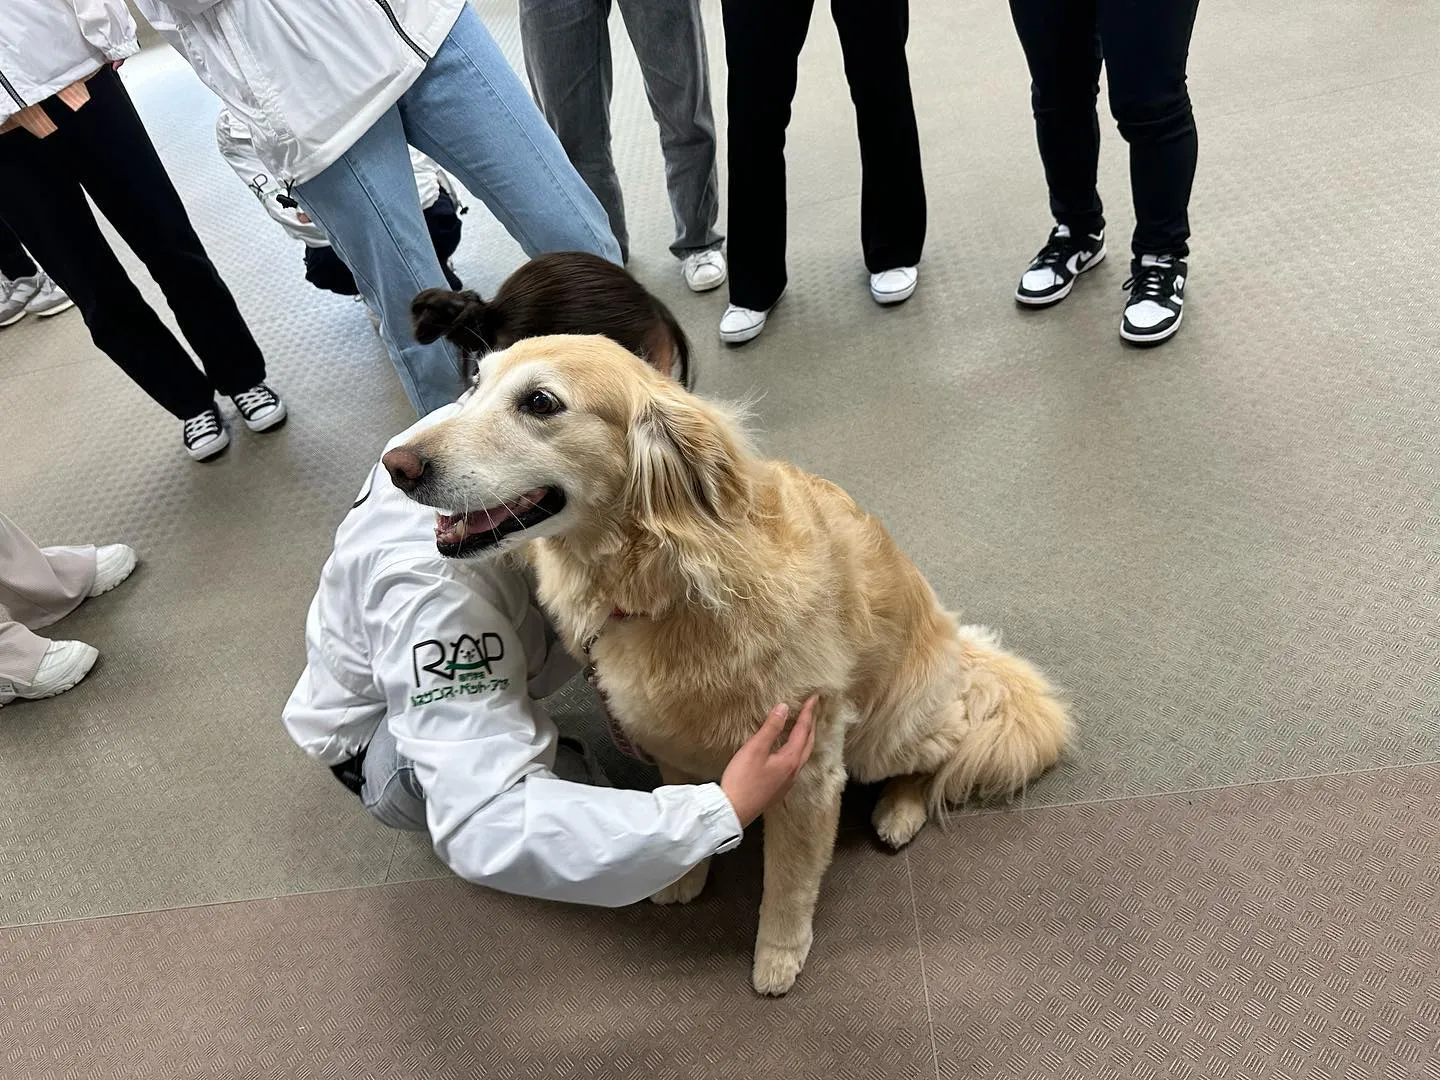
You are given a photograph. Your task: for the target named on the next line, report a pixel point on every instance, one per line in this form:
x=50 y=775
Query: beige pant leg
x=20 y=654
x=39 y=587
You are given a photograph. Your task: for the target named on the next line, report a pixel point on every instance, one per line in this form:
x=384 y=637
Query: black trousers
x=102 y=150
x=14 y=263
x=1144 y=45
x=326 y=270
x=762 y=46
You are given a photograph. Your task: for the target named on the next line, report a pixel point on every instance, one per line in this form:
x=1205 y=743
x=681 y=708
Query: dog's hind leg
x=799 y=842
x=902 y=809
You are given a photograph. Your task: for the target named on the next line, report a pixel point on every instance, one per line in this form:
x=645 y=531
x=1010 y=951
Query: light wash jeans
x=567 y=56
x=394 y=796
x=470 y=112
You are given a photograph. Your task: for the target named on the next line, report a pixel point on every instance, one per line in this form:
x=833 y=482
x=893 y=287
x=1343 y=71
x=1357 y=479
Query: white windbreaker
x=452 y=654
x=308 y=77
x=237 y=148
x=45 y=45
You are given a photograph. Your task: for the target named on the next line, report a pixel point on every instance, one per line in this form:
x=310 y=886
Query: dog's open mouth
x=457 y=535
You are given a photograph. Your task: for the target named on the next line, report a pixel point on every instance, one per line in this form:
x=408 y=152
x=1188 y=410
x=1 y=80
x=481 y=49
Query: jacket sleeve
x=107 y=26
x=455 y=687
x=238 y=149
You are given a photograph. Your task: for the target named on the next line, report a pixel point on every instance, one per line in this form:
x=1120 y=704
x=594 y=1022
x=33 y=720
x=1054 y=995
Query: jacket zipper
x=390 y=14
x=10 y=89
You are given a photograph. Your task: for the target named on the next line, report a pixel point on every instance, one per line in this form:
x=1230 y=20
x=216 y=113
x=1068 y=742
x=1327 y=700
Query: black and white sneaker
x=260 y=408
x=205 y=435
x=1053 y=271
x=1157 y=299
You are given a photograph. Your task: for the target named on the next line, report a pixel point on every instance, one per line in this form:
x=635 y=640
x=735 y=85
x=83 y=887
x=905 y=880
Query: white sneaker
x=260 y=408
x=704 y=270
x=113 y=564
x=49 y=299
x=205 y=436
x=741 y=324
x=65 y=663
x=894 y=286
x=15 y=294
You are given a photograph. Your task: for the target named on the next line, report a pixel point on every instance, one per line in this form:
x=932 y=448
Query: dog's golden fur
x=714 y=583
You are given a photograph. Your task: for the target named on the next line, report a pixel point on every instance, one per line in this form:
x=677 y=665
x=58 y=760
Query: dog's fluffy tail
x=1014 y=725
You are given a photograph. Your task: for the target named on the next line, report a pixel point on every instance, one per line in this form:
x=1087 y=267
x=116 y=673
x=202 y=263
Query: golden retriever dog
x=705 y=584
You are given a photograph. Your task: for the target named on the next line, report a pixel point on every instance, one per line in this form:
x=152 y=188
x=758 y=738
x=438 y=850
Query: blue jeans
x=470 y=112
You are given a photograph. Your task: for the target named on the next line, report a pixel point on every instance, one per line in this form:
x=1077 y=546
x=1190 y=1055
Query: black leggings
x=102 y=150
x=1144 y=45
x=762 y=48
x=326 y=270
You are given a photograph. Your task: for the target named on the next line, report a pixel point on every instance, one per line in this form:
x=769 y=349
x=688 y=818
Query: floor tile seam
x=924 y=978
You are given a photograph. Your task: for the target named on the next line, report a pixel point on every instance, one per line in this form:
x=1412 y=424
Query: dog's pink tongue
x=452 y=528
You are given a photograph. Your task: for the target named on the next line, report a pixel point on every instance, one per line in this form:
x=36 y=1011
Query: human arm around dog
x=452 y=671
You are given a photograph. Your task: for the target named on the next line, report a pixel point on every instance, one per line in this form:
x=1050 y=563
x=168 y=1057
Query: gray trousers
x=394 y=796
x=567 y=56
x=37 y=587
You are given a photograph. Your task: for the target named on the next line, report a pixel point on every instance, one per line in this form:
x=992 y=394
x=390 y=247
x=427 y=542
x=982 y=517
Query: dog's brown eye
x=541 y=403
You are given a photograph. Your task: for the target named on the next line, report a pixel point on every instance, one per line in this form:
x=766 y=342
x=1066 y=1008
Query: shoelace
x=1153 y=282
x=202 y=426
x=253 y=400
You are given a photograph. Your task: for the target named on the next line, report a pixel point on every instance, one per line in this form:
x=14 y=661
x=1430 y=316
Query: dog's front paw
x=901 y=812
x=687 y=888
x=776 y=968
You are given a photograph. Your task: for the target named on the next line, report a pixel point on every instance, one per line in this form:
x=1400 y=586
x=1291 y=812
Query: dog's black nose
x=406 y=468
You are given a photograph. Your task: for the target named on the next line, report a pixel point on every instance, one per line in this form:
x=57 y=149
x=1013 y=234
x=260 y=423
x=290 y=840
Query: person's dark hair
x=566 y=292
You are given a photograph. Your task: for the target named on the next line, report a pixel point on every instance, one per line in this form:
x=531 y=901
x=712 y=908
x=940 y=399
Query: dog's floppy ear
x=686 y=467
x=459 y=316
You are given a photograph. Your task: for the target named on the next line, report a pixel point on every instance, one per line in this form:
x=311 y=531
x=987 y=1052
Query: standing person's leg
x=14 y=263
x=762 y=50
x=1062 y=49
x=1146 y=47
x=21 y=653
x=368 y=206
x=892 y=202
x=60 y=230
x=567 y=58
x=111 y=154
x=669 y=40
x=470 y=112
x=40 y=586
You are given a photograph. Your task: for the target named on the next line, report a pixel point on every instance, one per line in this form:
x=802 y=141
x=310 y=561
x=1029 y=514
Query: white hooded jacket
x=307 y=77
x=237 y=147
x=453 y=654
x=45 y=45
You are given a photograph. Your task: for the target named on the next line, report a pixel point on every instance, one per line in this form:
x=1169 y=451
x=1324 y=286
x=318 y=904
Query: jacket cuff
x=719 y=818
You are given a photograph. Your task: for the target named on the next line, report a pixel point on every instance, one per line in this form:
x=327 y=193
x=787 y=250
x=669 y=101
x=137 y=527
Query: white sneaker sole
x=271 y=422
x=56 y=310
x=1153 y=339
x=131 y=561
x=707 y=286
x=1055 y=298
x=887 y=298
x=14 y=318
x=750 y=333
x=210 y=450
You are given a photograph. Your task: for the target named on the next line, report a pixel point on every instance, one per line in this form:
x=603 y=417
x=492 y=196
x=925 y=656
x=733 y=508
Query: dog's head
x=564 y=292
x=575 y=436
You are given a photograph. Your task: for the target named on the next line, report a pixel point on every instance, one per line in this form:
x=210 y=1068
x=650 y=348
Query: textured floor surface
x=1225 y=551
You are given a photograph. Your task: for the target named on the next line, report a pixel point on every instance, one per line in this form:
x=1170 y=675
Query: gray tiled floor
x=1225 y=550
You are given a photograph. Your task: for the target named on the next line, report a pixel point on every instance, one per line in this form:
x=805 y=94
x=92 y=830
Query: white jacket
x=308 y=77
x=45 y=45
x=237 y=147
x=453 y=654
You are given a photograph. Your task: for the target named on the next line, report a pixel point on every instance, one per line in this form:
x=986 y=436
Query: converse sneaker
x=113 y=564
x=1157 y=299
x=260 y=408
x=49 y=299
x=741 y=324
x=15 y=294
x=704 y=270
x=64 y=664
x=1053 y=271
x=894 y=286
x=205 y=435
